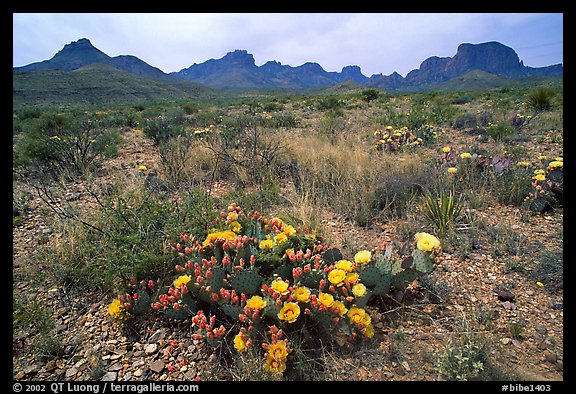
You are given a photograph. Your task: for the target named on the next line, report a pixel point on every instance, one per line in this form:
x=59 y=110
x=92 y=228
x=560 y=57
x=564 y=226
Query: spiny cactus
x=422 y=261
x=403 y=278
x=141 y=304
x=246 y=281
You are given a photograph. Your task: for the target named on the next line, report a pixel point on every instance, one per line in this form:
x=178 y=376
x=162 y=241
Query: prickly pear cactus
x=142 y=305
x=403 y=278
x=383 y=285
x=215 y=282
x=187 y=308
x=422 y=261
x=284 y=271
x=246 y=281
x=370 y=275
x=332 y=255
x=233 y=311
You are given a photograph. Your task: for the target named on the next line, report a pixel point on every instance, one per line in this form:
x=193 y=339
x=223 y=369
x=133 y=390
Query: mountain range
x=237 y=69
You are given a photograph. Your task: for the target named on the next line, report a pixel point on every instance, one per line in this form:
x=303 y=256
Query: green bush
x=540 y=100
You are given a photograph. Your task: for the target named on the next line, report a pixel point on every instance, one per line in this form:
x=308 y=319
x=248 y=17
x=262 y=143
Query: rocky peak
x=239 y=57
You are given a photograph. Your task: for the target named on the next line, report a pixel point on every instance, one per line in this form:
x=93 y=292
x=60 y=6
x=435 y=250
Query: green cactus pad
x=383 y=286
x=361 y=302
x=401 y=279
x=370 y=275
x=396 y=267
x=284 y=272
x=422 y=261
x=246 y=281
x=332 y=255
x=188 y=308
x=232 y=310
x=383 y=264
x=271 y=310
x=142 y=305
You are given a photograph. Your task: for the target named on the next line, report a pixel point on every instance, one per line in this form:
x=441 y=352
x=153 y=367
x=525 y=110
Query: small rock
x=157 y=366
x=20 y=375
x=50 y=366
x=508 y=305
x=115 y=367
x=71 y=372
x=157 y=336
x=405 y=365
x=505 y=341
x=551 y=357
x=504 y=294
x=109 y=376
x=138 y=373
x=151 y=348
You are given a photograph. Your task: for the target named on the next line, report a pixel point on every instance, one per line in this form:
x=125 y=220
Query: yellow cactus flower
x=280 y=239
x=345 y=265
x=266 y=244
x=117 y=310
x=452 y=170
x=278 y=351
x=426 y=242
x=220 y=235
x=182 y=280
x=289 y=231
x=340 y=307
x=235 y=227
x=359 y=290
x=239 y=343
x=362 y=257
x=279 y=286
x=289 y=312
x=337 y=276
x=301 y=294
x=274 y=366
x=325 y=299
x=256 y=303
x=465 y=155
x=446 y=149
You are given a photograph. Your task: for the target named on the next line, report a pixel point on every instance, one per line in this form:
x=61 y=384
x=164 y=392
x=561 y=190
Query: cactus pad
x=370 y=275
x=332 y=255
x=187 y=309
x=383 y=286
x=422 y=261
x=247 y=282
x=142 y=305
x=232 y=310
x=401 y=279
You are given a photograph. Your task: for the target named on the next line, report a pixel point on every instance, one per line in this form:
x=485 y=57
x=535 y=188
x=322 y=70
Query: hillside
x=97 y=84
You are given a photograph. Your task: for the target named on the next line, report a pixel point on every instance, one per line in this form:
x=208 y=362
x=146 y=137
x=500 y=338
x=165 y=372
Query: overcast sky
x=379 y=43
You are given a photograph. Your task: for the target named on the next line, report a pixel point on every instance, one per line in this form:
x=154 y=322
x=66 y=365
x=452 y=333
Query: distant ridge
x=237 y=69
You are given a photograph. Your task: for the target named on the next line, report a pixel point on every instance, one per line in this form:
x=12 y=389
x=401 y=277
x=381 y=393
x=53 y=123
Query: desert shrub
x=540 y=100
x=329 y=103
x=161 y=128
x=443 y=209
x=63 y=144
x=461 y=361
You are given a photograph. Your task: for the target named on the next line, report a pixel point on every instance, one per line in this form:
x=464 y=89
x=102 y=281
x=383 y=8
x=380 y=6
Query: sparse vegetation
x=144 y=188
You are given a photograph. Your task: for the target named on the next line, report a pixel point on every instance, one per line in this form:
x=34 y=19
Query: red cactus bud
x=197 y=337
x=150 y=284
x=241 y=262
x=322 y=283
x=127 y=305
x=133 y=280
x=256 y=314
x=243 y=318
x=135 y=296
x=156 y=306
x=179 y=268
x=212 y=320
x=128 y=297
x=178 y=247
x=199 y=279
x=332 y=289
x=242 y=297
x=252 y=260
x=345 y=289
x=121 y=299
x=214 y=297
x=265 y=346
x=187 y=250
x=307 y=311
x=235 y=300
x=176 y=306
x=350 y=299
x=335 y=320
x=279 y=302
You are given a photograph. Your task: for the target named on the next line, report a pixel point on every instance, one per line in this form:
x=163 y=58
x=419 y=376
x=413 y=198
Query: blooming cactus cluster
x=273 y=279
x=391 y=139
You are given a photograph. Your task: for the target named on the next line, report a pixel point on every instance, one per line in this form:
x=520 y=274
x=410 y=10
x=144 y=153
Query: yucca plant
x=540 y=100
x=443 y=209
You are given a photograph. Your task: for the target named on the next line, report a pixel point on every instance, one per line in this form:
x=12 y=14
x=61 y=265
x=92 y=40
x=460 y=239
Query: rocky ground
x=471 y=295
